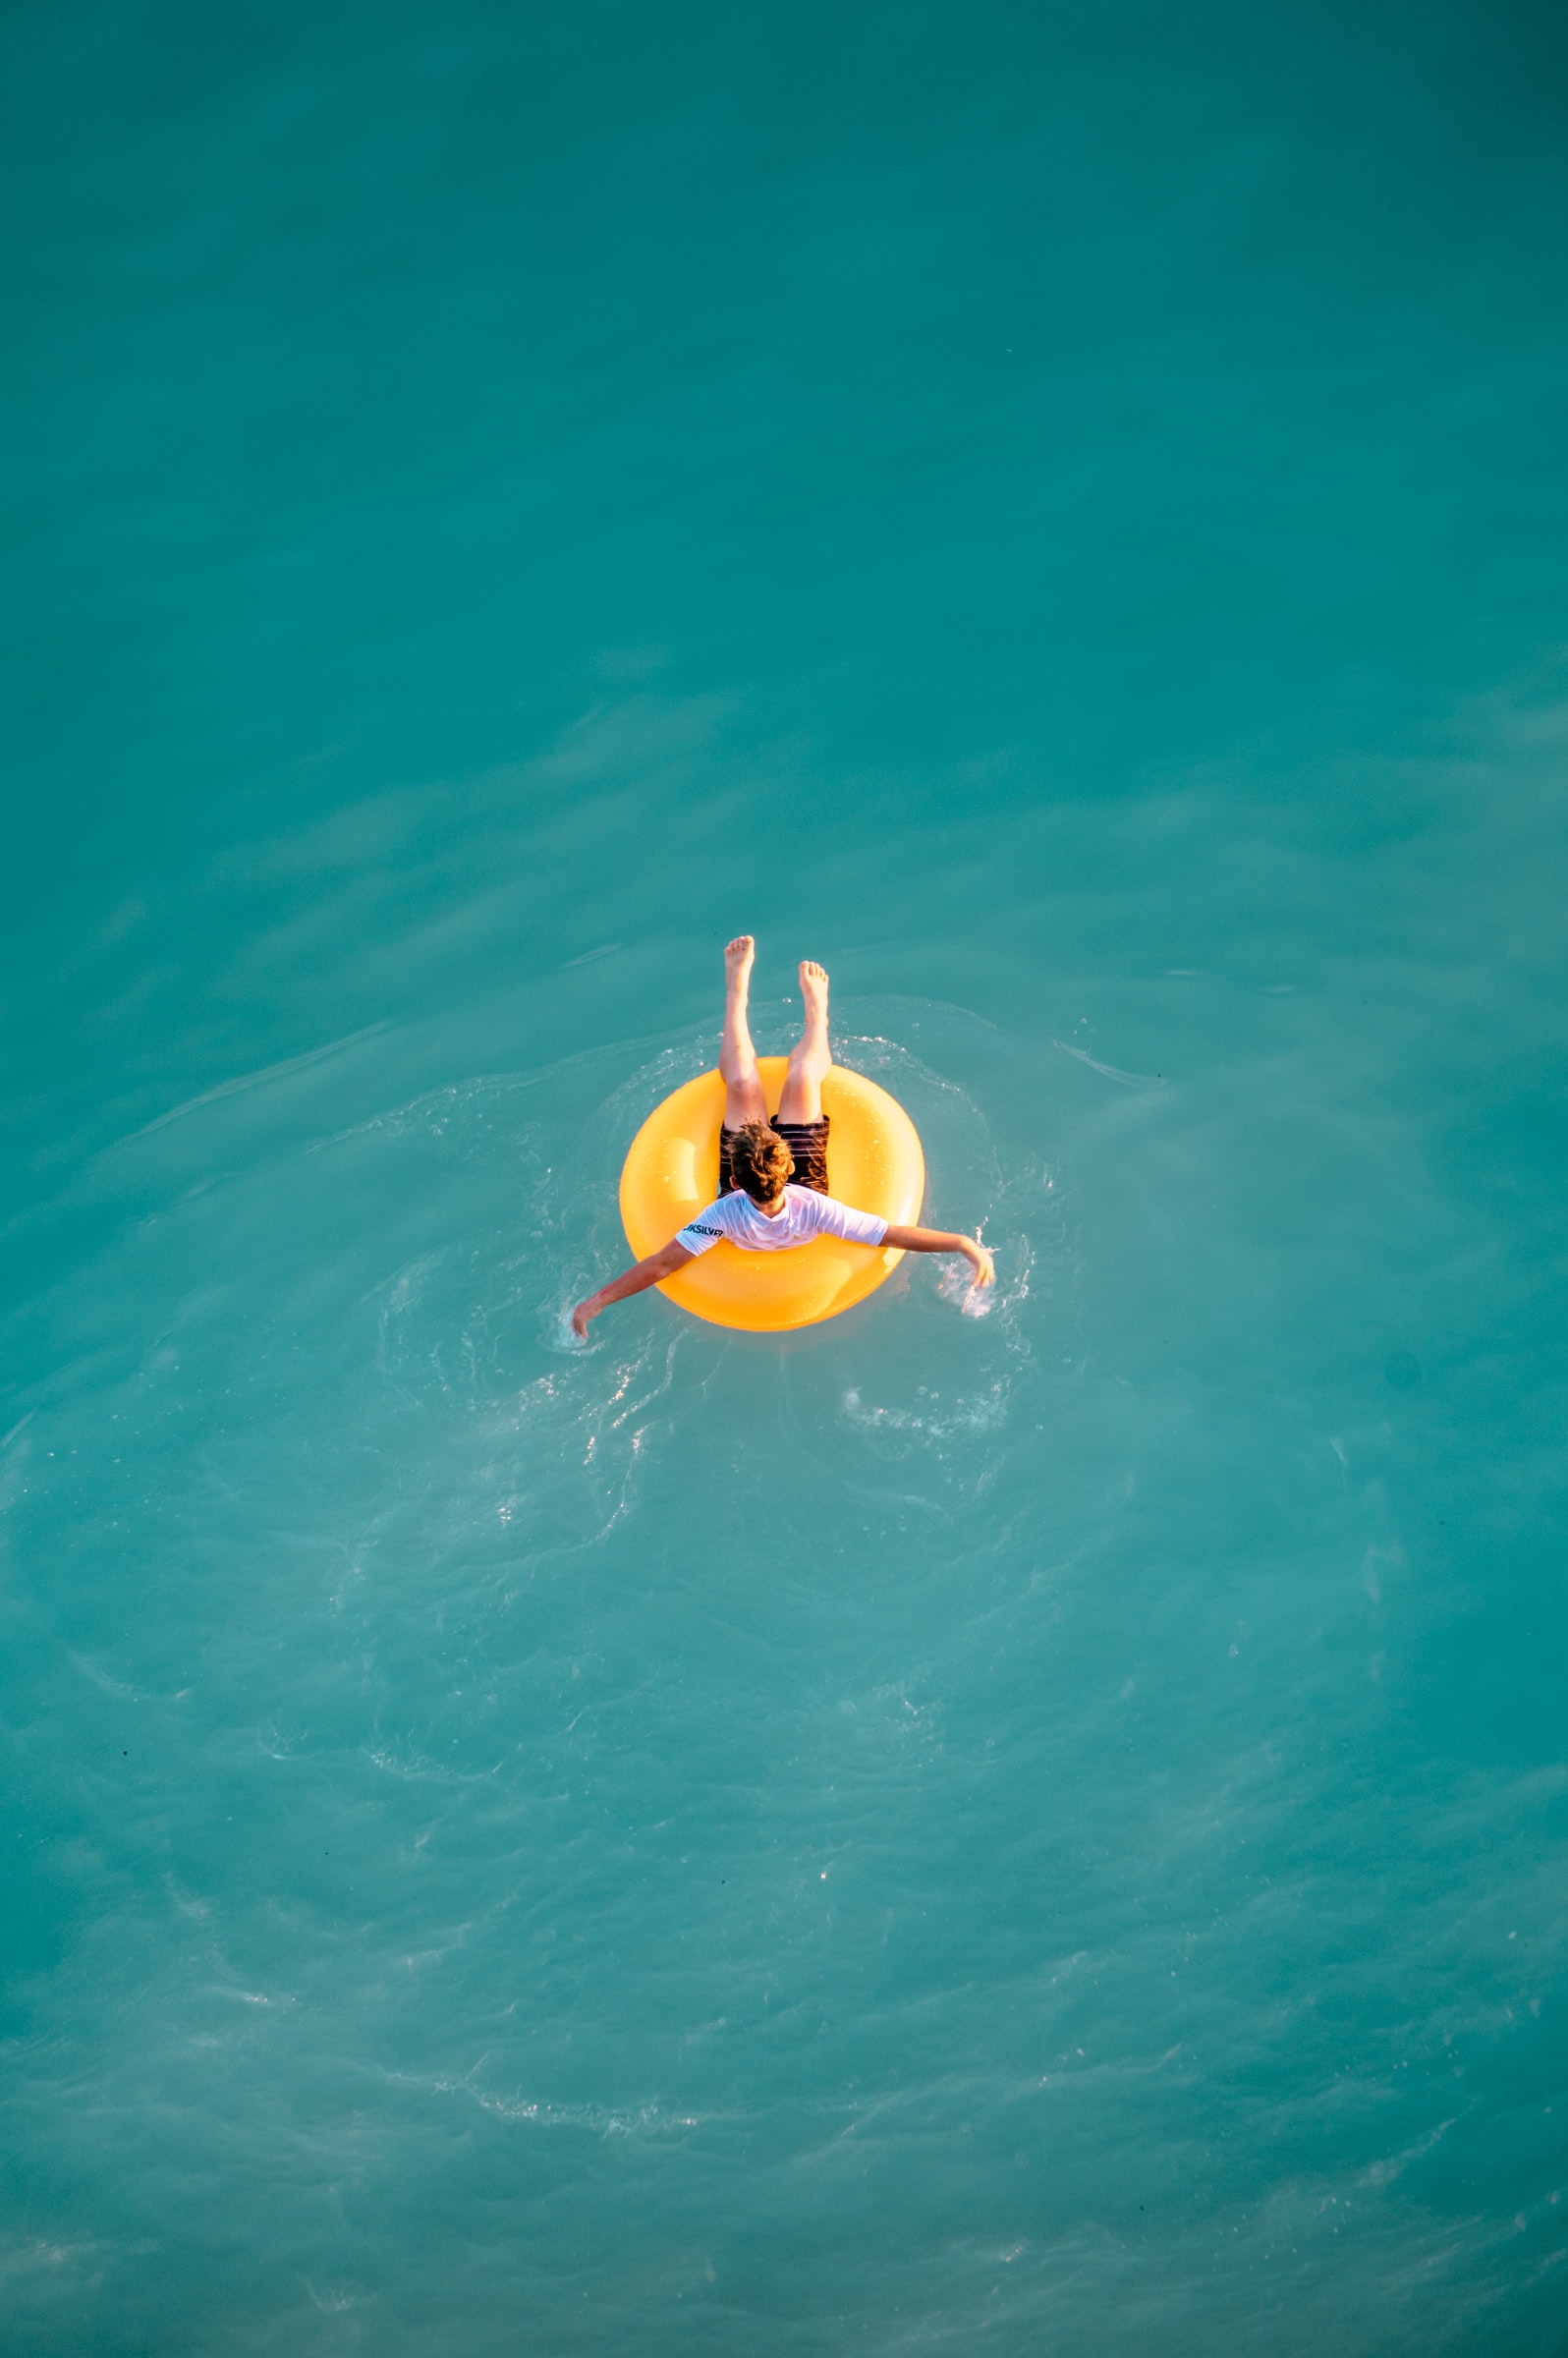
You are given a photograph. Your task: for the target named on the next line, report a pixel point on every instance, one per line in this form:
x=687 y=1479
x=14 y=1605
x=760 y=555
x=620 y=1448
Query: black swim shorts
x=806 y=1141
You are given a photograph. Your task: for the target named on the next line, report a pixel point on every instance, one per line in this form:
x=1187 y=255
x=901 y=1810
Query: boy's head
x=760 y=1163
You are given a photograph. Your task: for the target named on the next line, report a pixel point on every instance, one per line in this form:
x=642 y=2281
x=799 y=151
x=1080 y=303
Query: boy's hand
x=980 y=1262
x=580 y=1318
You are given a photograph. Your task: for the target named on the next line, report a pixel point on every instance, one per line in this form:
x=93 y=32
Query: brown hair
x=760 y=1161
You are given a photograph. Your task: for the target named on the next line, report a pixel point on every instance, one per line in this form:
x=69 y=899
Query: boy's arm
x=939 y=1240
x=663 y=1264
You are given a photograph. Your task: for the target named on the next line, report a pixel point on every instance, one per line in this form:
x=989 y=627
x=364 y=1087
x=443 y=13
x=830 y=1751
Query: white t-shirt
x=805 y=1214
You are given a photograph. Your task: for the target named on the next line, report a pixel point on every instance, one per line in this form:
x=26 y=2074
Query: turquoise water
x=1041 y=1832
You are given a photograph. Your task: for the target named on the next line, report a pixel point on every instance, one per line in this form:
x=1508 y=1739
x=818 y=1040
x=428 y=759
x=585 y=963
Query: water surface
x=1040 y=1832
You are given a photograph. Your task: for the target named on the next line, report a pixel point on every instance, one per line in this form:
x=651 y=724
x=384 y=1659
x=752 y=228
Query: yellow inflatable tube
x=873 y=1162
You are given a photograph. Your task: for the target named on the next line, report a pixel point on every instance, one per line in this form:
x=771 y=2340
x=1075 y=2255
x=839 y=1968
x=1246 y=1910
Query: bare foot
x=738 y=957
x=813 y=992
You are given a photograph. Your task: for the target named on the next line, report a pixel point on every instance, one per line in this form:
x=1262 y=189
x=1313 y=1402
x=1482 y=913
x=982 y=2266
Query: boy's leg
x=744 y=1100
x=810 y=1058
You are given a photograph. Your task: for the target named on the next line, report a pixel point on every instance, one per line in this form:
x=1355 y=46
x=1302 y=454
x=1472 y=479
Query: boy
x=774 y=1175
